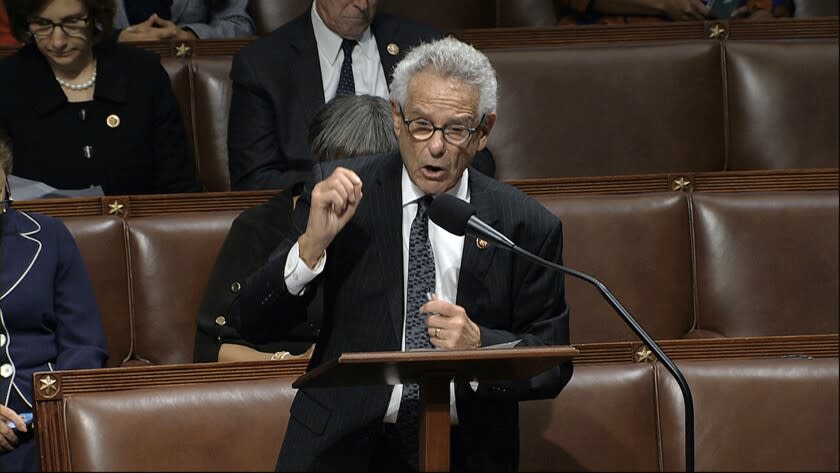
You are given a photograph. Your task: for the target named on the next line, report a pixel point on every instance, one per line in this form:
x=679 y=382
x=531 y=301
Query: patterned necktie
x=346 y=84
x=421 y=281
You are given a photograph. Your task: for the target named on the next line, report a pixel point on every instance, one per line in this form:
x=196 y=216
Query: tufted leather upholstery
x=630 y=108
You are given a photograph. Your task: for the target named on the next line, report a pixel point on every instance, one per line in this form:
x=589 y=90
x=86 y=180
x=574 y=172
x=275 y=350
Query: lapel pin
x=113 y=121
x=393 y=49
x=481 y=244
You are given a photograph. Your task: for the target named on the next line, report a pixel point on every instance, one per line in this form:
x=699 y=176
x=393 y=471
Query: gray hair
x=5 y=153
x=448 y=57
x=352 y=125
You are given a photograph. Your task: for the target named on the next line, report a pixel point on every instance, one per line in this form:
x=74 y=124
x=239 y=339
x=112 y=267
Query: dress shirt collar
x=329 y=43
x=411 y=193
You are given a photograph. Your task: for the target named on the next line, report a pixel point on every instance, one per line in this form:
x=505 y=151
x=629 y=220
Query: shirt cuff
x=297 y=274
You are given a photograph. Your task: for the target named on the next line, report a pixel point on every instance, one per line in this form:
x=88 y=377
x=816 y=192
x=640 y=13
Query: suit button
x=220 y=320
x=6 y=370
x=235 y=287
x=2 y=339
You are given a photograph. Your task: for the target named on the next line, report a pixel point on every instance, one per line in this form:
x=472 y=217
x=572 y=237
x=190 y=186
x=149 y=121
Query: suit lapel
x=21 y=249
x=386 y=36
x=308 y=80
x=472 y=294
x=388 y=212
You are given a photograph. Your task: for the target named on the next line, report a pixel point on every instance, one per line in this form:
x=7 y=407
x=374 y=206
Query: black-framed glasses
x=422 y=129
x=76 y=26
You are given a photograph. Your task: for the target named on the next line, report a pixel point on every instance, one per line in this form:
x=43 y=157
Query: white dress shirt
x=368 y=75
x=446 y=248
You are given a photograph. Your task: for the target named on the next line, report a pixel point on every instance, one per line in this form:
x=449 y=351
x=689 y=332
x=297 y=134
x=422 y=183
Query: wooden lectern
x=433 y=370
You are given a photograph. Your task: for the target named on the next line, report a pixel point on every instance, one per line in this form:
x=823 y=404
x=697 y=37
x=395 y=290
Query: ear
x=396 y=117
x=489 y=121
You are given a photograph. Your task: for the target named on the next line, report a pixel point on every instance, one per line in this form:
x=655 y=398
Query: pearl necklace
x=84 y=85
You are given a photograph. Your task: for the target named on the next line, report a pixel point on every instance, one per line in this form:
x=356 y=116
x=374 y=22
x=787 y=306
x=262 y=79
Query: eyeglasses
x=422 y=129
x=76 y=27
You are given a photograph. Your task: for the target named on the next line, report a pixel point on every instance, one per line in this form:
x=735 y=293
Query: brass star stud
x=682 y=184
x=182 y=50
x=116 y=208
x=49 y=386
x=716 y=31
x=643 y=354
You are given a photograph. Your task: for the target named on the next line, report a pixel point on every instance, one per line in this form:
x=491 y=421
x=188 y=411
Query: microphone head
x=451 y=213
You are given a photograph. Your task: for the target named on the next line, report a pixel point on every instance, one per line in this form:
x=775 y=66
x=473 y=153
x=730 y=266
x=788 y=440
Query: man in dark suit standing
x=280 y=81
x=362 y=234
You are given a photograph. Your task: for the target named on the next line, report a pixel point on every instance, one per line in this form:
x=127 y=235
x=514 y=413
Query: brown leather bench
x=771 y=414
x=613 y=109
x=687 y=265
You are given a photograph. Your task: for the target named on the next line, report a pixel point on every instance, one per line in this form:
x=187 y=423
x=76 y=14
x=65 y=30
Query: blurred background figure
x=807 y=8
x=85 y=112
x=347 y=126
x=155 y=20
x=6 y=38
x=48 y=312
x=652 y=11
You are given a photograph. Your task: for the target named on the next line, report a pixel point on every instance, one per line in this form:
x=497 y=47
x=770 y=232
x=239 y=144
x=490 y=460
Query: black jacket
x=277 y=89
x=146 y=153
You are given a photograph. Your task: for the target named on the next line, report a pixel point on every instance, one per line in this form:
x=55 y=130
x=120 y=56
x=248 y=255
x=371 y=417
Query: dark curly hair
x=101 y=13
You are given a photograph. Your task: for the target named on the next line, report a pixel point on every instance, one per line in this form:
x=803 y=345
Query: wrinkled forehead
x=428 y=86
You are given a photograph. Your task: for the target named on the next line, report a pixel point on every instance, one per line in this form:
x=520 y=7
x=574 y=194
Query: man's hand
x=449 y=326
x=155 y=28
x=686 y=10
x=8 y=439
x=334 y=202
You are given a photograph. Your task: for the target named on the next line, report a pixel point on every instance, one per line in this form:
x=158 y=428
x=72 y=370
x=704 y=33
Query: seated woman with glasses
x=86 y=113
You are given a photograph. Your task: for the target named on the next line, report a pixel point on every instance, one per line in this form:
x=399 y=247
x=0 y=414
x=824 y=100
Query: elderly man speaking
x=393 y=280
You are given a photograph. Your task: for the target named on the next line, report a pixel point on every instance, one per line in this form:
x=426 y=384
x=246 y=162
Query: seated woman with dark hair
x=347 y=126
x=84 y=111
x=155 y=20
x=48 y=316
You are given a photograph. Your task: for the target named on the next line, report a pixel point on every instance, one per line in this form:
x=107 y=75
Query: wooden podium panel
x=433 y=370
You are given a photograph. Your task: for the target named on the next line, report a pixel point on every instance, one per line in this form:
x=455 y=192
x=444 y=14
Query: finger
x=8 y=439
x=351 y=182
x=9 y=414
x=436 y=332
x=346 y=184
x=443 y=308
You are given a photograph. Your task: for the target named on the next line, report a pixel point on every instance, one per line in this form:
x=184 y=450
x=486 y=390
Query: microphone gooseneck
x=458 y=217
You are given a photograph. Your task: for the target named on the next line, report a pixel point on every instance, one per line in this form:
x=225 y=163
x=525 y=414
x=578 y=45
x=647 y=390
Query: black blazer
x=277 y=89
x=508 y=297
x=147 y=153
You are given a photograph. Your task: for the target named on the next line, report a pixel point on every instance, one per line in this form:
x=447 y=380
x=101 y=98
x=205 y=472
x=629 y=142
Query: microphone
x=458 y=217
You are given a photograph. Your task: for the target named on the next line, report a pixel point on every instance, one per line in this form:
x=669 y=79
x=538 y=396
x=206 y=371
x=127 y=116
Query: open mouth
x=433 y=172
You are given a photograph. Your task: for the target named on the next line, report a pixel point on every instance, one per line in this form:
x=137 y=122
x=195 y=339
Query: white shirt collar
x=411 y=193
x=329 y=42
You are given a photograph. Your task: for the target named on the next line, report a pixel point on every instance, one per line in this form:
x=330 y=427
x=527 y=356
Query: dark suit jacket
x=147 y=153
x=508 y=297
x=49 y=316
x=277 y=89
